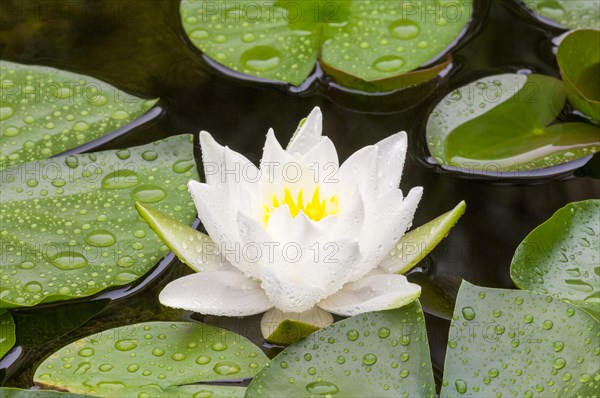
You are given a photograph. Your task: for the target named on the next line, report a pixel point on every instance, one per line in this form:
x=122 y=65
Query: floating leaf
x=19 y=393
x=579 y=61
x=46 y=111
x=154 y=359
x=364 y=44
x=418 y=243
x=7 y=332
x=376 y=354
x=69 y=228
x=569 y=13
x=562 y=257
x=514 y=343
x=503 y=122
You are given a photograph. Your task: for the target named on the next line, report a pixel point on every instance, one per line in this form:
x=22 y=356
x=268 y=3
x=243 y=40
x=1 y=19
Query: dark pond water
x=139 y=46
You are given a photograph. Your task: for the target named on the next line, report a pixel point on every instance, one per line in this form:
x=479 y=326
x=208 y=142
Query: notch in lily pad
x=372 y=46
x=46 y=111
x=579 y=61
x=507 y=123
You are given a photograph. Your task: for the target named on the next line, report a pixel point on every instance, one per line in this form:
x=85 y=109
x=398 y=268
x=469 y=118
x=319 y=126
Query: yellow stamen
x=316 y=209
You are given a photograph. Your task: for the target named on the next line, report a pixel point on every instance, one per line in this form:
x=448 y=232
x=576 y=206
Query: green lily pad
x=579 y=61
x=418 y=243
x=376 y=354
x=503 y=123
x=19 y=393
x=69 y=228
x=358 y=42
x=160 y=359
x=569 y=13
x=562 y=257
x=45 y=111
x=519 y=344
x=7 y=332
x=182 y=239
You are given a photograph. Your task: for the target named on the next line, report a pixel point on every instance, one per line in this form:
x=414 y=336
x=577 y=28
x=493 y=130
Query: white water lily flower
x=301 y=234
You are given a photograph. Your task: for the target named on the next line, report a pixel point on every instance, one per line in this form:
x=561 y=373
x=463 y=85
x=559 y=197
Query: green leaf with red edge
x=368 y=45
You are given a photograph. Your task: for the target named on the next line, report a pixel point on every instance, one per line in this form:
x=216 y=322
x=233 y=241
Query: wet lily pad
x=505 y=123
x=571 y=14
x=579 y=61
x=415 y=245
x=45 y=111
x=69 y=227
x=19 y=393
x=154 y=359
x=7 y=332
x=376 y=354
x=514 y=343
x=562 y=257
x=357 y=42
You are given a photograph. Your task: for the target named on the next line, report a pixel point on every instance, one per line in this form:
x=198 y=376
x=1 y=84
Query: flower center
x=315 y=209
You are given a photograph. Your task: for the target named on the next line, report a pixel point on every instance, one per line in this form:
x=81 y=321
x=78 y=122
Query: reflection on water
x=139 y=47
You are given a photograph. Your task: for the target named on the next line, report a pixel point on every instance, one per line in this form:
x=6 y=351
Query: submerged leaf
x=7 y=332
x=363 y=44
x=569 y=13
x=69 y=227
x=562 y=257
x=519 y=344
x=579 y=61
x=503 y=122
x=155 y=359
x=32 y=325
x=376 y=354
x=45 y=111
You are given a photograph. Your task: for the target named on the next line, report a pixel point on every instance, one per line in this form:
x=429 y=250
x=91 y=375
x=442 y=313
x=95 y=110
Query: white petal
x=372 y=293
x=302 y=266
x=273 y=153
x=219 y=218
x=350 y=220
x=323 y=166
x=384 y=228
x=308 y=135
x=222 y=165
x=315 y=317
x=218 y=293
x=391 y=155
x=360 y=169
